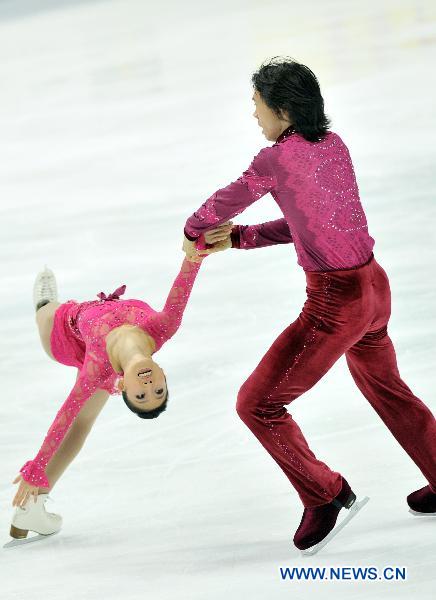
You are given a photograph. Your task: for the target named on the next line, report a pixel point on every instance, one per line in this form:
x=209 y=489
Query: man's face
x=272 y=125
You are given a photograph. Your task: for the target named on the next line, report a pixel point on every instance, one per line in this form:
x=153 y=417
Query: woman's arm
x=67 y=451
x=89 y=379
x=164 y=324
x=75 y=437
x=177 y=299
x=255 y=182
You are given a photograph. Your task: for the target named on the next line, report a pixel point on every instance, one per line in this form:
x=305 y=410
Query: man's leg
x=297 y=359
x=373 y=366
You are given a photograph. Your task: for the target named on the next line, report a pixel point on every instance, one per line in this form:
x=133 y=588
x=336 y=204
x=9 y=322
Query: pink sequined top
x=87 y=325
x=314 y=185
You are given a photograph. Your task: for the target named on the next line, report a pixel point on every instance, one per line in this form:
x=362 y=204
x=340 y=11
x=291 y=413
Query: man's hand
x=218 y=246
x=219 y=237
x=219 y=234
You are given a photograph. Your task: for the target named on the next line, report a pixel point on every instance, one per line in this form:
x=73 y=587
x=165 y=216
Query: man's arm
x=247 y=237
x=255 y=182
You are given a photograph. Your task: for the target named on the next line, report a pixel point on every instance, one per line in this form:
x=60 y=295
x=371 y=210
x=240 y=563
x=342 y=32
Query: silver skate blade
x=352 y=512
x=420 y=514
x=28 y=540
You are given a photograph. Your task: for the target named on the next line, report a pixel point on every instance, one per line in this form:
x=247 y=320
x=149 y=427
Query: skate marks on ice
x=28 y=540
x=352 y=512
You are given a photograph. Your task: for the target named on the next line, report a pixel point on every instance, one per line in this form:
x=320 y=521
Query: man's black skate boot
x=422 y=501
x=317 y=522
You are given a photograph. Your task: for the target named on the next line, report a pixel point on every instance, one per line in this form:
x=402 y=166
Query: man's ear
x=120 y=384
x=284 y=115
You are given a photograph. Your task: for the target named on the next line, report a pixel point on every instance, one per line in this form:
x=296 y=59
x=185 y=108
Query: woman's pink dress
x=79 y=339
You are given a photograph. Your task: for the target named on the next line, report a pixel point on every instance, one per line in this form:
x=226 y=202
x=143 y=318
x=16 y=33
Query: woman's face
x=144 y=383
x=272 y=125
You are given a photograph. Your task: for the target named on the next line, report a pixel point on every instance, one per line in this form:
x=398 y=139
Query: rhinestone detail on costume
x=308 y=342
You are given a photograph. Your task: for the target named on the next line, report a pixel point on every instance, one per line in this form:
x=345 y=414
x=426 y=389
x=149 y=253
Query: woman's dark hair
x=288 y=86
x=146 y=414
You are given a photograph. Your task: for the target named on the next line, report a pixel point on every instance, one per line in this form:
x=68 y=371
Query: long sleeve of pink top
x=89 y=323
x=315 y=187
x=256 y=181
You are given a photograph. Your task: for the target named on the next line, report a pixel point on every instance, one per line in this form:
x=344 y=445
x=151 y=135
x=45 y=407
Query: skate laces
x=27 y=505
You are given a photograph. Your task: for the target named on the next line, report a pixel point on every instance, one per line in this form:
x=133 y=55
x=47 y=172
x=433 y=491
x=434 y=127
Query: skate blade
x=420 y=514
x=28 y=540
x=352 y=512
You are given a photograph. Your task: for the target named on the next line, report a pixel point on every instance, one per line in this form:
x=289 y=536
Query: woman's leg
x=44 y=321
x=75 y=438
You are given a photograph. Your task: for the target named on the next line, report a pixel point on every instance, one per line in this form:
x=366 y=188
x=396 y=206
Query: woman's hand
x=219 y=237
x=24 y=491
x=192 y=254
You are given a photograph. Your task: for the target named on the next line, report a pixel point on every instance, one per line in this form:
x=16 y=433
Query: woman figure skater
x=309 y=173
x=111 y=342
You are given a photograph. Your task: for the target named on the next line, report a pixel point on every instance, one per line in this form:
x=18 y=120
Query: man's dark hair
x=287 y=85
x=146 y=414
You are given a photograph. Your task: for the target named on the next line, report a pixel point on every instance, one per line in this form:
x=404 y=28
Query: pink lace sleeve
x=91 y=376
x=165 y=323
x=247 y=237
x=227 y=202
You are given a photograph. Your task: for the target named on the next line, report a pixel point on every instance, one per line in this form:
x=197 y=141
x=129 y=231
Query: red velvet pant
x=346 y=311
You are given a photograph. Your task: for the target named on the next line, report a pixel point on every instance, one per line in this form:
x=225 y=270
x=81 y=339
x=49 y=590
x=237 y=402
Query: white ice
x=118 y=119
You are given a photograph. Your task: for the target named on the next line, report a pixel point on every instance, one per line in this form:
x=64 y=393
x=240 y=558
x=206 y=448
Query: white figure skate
x=45 y=287
x=33 y=517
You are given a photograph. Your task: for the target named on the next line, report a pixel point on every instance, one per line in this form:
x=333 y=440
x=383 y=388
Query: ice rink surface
x=118 y=119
